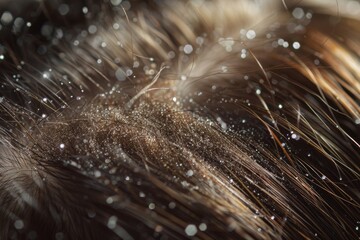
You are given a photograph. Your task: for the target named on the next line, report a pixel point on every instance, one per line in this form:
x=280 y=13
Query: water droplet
x=152 y=206
x=298 y=13
x=191 y=230
x=188 y=49
x=296 y=45
x=112 y=222
x=202 y=227
x=189 y=173
x=6 y=18
x=19 y=224
x=251 y=34
x=64 y=9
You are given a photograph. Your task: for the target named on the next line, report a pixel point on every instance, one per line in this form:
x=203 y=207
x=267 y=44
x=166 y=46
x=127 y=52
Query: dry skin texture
x=196 y=119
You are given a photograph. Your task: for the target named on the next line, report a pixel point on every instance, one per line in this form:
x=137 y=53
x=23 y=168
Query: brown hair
x=180 y=119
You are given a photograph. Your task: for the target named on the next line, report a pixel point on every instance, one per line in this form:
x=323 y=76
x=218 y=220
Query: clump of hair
x=180 y=119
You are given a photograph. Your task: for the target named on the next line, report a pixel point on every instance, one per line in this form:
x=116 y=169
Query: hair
x=180 y=119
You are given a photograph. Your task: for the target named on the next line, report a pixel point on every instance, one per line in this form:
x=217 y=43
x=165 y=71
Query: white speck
x=258 y=91
x=285 y=44
x=97 y=173
x=103 y=44
x=183 y=77
x=92 y=29
x=189 y=173
x=6 y=18
x=272 y=217
x=43 y=115
x=109 y=200
x=120 y=74
x=112 y=222
x=191 y=230
x=64 y=9
x=295 y=136
x=129 y=72
x=46 y=75
x=141 y=194
x=251 y=34
x=202 y=227
x=152 y=206
x=1 y=99
x=323 y=177
x=296 y=45
x=357 y=121
x=172 y=205
x=280 y=106
x=85 y=10
x=115 y=2
x=19 y=224
x=99 y=61
x=2 y=57
x=62 y=146
x=298 y=13
x=174 y=99
x=188 y=49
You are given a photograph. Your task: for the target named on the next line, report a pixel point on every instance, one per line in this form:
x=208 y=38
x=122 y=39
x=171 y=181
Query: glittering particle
x=323 y=177
x=109 y=200
x=200 y=40
x=112 y=222
x=280 y=106
x=188 y=49
x=189 y=173
x=174 y=99
x=272 y=217
x=202 y=227
x=258 y=91
x=357 y=121
x=141 y=194
x=152 y=206
x=295 y=136
x=183 y=77
x=120 y=74
x=296 y=45
x=129 y=72
x=43 y=115
x=251 y=34
x=19 y=224
x=172 y=205
x=85 y=10
x=115 y=2
x=64 y=9
x=2 y=57
x=92 y=29
x=62 y=146
x=28 y=24
x=298 y=13
x=6 y=18
x=191 y=230
x=97 y=173
x=285 y=44
x=99 y=61
x=45 y=99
